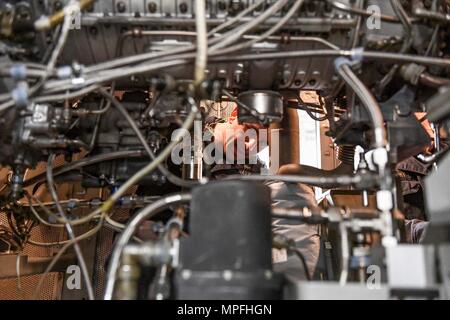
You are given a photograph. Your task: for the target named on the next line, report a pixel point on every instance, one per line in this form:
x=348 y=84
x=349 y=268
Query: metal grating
x=103 y=249
x=52 y=287
x=50 y=290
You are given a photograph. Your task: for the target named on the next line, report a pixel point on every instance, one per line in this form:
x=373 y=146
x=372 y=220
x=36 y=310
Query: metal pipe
x=368 y=101
x=127 y=233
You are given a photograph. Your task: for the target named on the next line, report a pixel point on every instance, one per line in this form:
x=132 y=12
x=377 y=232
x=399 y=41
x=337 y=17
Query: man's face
x=241 y=139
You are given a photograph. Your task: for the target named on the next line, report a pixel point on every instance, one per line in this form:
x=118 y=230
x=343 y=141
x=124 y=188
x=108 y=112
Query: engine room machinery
x=112 y=169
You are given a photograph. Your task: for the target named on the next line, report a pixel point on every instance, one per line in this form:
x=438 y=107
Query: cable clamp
x=20 y=94
x=18 y=72
x=357 y=55
x=64 y=72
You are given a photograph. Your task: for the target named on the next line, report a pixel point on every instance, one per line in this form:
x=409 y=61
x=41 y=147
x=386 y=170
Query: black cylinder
x=228 y=253
x=229 y=227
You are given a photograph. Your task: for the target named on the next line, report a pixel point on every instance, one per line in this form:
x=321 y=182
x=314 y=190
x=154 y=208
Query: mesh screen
x=52 y=286
x=103 y=249
x=49 y=291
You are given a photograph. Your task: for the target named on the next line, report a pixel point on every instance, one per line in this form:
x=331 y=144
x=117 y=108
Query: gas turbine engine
x=107 y=84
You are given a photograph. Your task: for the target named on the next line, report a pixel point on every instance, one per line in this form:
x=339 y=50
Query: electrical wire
x=68 y=95
x=52 y=61
x=407 y=26
x=69 y=229
x=255 y=113
x=36 y=214
x=59 y=255
x=329 y=53
x=344 y=7
x=19 y=277
x=183 y=59
x=300 y=255
x=311 y=113
x=294 y=9
x=108 y=220
x=236 y=34
x=323 y=53
x=111 y=75
x=84 y=162
x=156 y=55
x=83 y=236
x=236 y=19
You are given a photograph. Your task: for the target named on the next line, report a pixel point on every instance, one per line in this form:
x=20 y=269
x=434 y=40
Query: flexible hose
x=84 y=163
x=202 y=42
x=128 y=232
x=71 y=233
x=368 y=101
x=294 y=9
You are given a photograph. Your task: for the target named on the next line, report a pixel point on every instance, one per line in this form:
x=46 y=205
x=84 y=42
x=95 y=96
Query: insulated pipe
x=367 y=99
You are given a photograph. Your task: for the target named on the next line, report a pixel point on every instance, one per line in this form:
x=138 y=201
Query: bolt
x=183 y=7
x=186 y=274
x=222 y=5
x=152 y=7
x=93 y=31
x=227 y=275
x=57 y=6
x=121 y=7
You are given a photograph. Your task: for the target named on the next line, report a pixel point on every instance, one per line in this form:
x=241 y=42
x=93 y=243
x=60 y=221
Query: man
x=411 y=173
x=305 y=237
